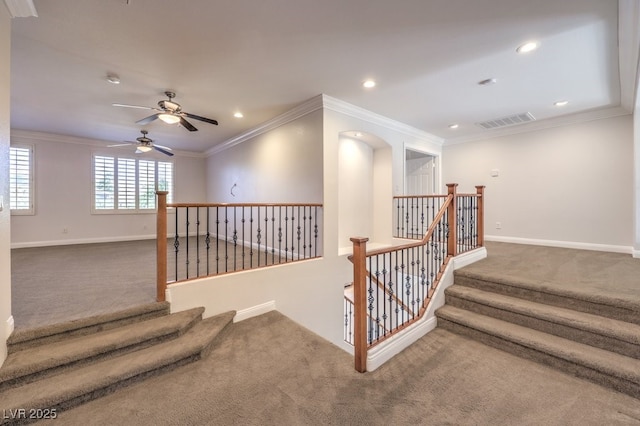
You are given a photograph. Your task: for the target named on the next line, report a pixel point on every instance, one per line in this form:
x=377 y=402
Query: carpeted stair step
x=28 y=338
x=33 y=363
x=606 y=368
x=78 y=385
x=550 y=294
x=605 y=333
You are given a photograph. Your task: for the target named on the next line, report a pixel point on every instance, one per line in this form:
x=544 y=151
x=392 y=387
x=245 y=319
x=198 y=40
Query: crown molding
x=327 y=102
x=21 y=8
x=299 y=111
x=351 y=110
x=549 y=123
x=628 y=51
x=28 y=136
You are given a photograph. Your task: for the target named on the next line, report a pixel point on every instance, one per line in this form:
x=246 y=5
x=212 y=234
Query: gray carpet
x=62 y=283
x=270 y=371
x=612 y=275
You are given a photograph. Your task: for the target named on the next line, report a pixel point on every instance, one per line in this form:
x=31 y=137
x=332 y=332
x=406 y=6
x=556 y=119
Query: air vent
x=524 y=117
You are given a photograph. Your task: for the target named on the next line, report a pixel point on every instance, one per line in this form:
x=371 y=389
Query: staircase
x=58 y=367
x=588 y=336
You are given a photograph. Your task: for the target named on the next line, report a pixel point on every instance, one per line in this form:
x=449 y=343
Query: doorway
x=420 y=173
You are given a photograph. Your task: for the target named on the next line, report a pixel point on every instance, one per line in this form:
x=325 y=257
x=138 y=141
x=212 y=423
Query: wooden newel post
x=452 y=220
x=161 y=246
x=360 y=302
x=480 y=192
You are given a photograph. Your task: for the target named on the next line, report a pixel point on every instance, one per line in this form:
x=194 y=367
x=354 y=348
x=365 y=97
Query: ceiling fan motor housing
x=169 y=106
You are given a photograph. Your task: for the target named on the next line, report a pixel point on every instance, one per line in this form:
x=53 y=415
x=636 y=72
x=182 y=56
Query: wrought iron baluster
x=259 y=236
x=234 y=238
x=243 y=240
x=315 y=231
x=197 y=241
x=208 y=238
x=251 y=238
x=176 y=245
x=273 y=230
x=217 y=239
x=226 y=238
x=187 y=242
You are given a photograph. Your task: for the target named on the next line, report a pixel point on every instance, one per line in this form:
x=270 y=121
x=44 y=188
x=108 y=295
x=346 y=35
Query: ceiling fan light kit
x=169 y=118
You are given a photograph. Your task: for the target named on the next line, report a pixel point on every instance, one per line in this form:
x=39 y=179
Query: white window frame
x=116 y=209
x=31 y=210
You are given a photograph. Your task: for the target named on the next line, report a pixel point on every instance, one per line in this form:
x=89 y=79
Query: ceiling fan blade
x=121 y=144
x=163 y=147
x=132 y=106
x=197 y=117
x=162 y=150
x=148 y=119
x=190 y=127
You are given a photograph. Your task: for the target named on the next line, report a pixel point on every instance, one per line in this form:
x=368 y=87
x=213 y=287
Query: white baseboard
x=464 y=259
x=561 y=244
x=254 y=311
x=380 y=354
x=81 y=241
x=636 y=254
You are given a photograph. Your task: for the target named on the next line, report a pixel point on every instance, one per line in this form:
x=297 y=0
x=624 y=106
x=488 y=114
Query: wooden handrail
x=417 y=243
x=420 y=196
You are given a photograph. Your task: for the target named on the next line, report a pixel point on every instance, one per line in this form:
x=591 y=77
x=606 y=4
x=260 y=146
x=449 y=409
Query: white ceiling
x=265 y=57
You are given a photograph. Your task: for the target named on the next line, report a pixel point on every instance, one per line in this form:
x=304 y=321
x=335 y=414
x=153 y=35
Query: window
x=124 y=184
x=21 y=180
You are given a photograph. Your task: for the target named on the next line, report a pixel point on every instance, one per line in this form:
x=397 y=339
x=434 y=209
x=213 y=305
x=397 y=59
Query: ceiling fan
x=170 y=112
x=144 y=144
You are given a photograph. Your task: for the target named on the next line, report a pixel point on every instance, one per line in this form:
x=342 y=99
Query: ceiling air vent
x=524 y=117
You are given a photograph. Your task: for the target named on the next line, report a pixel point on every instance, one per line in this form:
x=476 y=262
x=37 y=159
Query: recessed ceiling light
x=238 y=114
x=488 y=82
x=527 y=47
x=369 y=84
x=453 y=126
x=113 y=78
x=561 y=103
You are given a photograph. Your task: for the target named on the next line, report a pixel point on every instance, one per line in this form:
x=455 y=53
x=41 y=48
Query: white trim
x=465 y=259
x=342 y=107
x=82 y=241
x=636 y=254
x=301 y=110
x=10 y=326
x=382 y=353
x=255 y=311
x=21 y=8
x=396 y=344
x=628 y=43
x=327 y=102
x=562 y=244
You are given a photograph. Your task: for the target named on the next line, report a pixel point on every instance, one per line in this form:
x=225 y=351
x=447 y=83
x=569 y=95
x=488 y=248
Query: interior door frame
x=436 y=160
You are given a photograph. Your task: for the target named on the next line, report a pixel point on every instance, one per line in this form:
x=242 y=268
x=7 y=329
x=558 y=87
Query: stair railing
x=392 y=287
x=206 y=239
